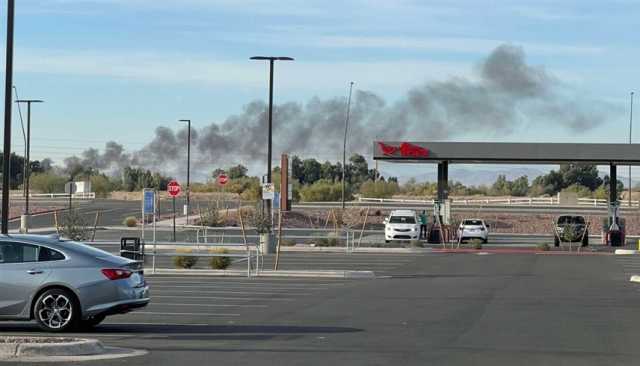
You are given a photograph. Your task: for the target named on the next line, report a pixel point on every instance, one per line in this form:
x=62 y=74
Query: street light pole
x=188 y=121
x=27 y=171
x=630 y=129
x=271 y=60
x=344 y=147
x=6 y=164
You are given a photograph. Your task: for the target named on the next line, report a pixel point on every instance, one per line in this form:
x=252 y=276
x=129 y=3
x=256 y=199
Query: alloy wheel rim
x=55 y=311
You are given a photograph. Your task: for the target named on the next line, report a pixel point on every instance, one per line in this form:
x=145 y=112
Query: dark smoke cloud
x=505 y=94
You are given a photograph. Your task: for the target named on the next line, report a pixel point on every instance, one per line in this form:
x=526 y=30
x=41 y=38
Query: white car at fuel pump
x=401 y=225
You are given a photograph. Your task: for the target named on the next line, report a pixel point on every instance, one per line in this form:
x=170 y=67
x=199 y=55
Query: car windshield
x=571 y=220
x=402 y=220
x=472 y=222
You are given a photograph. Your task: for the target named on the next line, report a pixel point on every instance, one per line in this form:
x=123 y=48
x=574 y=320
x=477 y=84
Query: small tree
x=74 y=226
x=261 y=222
x=210 y=216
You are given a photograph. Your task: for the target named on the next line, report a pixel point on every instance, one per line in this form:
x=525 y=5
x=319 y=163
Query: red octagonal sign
x=223 y=179
x=174 y=188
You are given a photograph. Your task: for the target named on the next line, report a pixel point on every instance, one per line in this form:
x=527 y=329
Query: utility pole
x=6 y=164
x=271 y=60
x=344 y=147
x=630 y=129
x=188 y=121
x=27 y=171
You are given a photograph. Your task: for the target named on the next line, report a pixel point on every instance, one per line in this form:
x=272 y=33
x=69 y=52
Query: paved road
x=436 y=309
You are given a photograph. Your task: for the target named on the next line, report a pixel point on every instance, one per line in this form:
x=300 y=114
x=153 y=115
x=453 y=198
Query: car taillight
x=116 y=273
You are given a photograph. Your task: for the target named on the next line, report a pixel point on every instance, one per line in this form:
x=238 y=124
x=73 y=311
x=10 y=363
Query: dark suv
x=570 y=228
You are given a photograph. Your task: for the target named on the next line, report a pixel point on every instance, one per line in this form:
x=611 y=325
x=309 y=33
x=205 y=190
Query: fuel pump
x=614 y=226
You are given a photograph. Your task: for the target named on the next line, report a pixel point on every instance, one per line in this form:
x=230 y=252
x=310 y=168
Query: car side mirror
x=385 y=221
x=487 y=225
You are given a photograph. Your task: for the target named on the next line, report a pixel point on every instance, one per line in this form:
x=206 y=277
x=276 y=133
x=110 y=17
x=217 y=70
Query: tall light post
x=27 y=172
x=344 y=146
x=271 y=60
x=188 y=121
x=630 y=129
x=6 y=163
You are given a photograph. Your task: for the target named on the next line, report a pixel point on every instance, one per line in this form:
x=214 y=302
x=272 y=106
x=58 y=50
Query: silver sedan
x=65 y=284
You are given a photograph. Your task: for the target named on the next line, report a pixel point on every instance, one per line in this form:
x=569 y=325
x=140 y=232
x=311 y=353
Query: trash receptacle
x=132 y=248
x=615 y=238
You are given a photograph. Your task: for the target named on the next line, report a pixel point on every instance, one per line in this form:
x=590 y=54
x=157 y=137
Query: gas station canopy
x=506 y=153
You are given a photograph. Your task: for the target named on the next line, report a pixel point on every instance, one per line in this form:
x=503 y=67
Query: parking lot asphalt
x=433 y=309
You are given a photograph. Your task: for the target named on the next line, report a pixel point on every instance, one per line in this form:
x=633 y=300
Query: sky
x=115 y=70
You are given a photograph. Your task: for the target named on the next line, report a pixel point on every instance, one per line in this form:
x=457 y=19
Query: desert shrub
x=379 y=189
x=416 y=244
x=324 y=240
x=219 y=262
x=183 y=261
x=210 y=216
x=47 y=182
x=543 y=246
x=287 y=242
x=73 y=226
x=260 y=221
x=130 y=221
x=323 y=191
x=476 y=244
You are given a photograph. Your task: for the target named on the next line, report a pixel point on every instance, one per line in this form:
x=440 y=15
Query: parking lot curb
x=626 y=251
x=635 y=278
x=269 y=273
x=29 y=348
x=62 y=350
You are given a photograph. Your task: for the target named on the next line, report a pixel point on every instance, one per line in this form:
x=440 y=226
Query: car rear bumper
x=401 y=236
x=125 y=300
x=124 y=307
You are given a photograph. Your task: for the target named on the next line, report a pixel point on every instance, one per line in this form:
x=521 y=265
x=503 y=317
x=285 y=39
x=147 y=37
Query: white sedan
x=473 y=229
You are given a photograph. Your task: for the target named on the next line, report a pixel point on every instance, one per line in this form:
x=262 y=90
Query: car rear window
x=472 y=222
x=47 y=255
x=402 y=220
x=87 y=249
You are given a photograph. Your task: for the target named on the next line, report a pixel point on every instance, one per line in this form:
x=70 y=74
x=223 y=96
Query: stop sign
x=223 y=179
x=174 y=188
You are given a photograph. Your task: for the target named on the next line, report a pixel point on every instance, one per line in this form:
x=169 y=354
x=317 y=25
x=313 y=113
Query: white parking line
x=247 y=284
x=225 y=298
x=181 y=314
x=214 y=287
x=211 y=305
x=230 y=292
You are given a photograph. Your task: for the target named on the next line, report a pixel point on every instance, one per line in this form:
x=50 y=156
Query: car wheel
x=387 y=241
x=485 y=240
x=88 y=324
x=556 y=241
x=56 y=310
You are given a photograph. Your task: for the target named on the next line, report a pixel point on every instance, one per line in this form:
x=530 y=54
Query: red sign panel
x=405 y=149
x=173 y=188
x=223 y=179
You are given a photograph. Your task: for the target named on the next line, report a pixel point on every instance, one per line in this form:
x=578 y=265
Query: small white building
x=83 y=187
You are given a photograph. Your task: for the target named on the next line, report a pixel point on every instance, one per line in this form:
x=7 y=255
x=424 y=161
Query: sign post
x=70 y=189
x=174 y=189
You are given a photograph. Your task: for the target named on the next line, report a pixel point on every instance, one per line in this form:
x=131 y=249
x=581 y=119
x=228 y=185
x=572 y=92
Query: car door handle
x=35 y=271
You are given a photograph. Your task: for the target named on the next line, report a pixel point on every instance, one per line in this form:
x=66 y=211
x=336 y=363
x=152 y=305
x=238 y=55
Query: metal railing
x=245 y=252
x=76 y=196
x=526 y=201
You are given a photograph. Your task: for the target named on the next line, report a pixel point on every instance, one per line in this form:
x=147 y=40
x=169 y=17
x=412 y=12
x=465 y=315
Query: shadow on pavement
x=189 y=329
